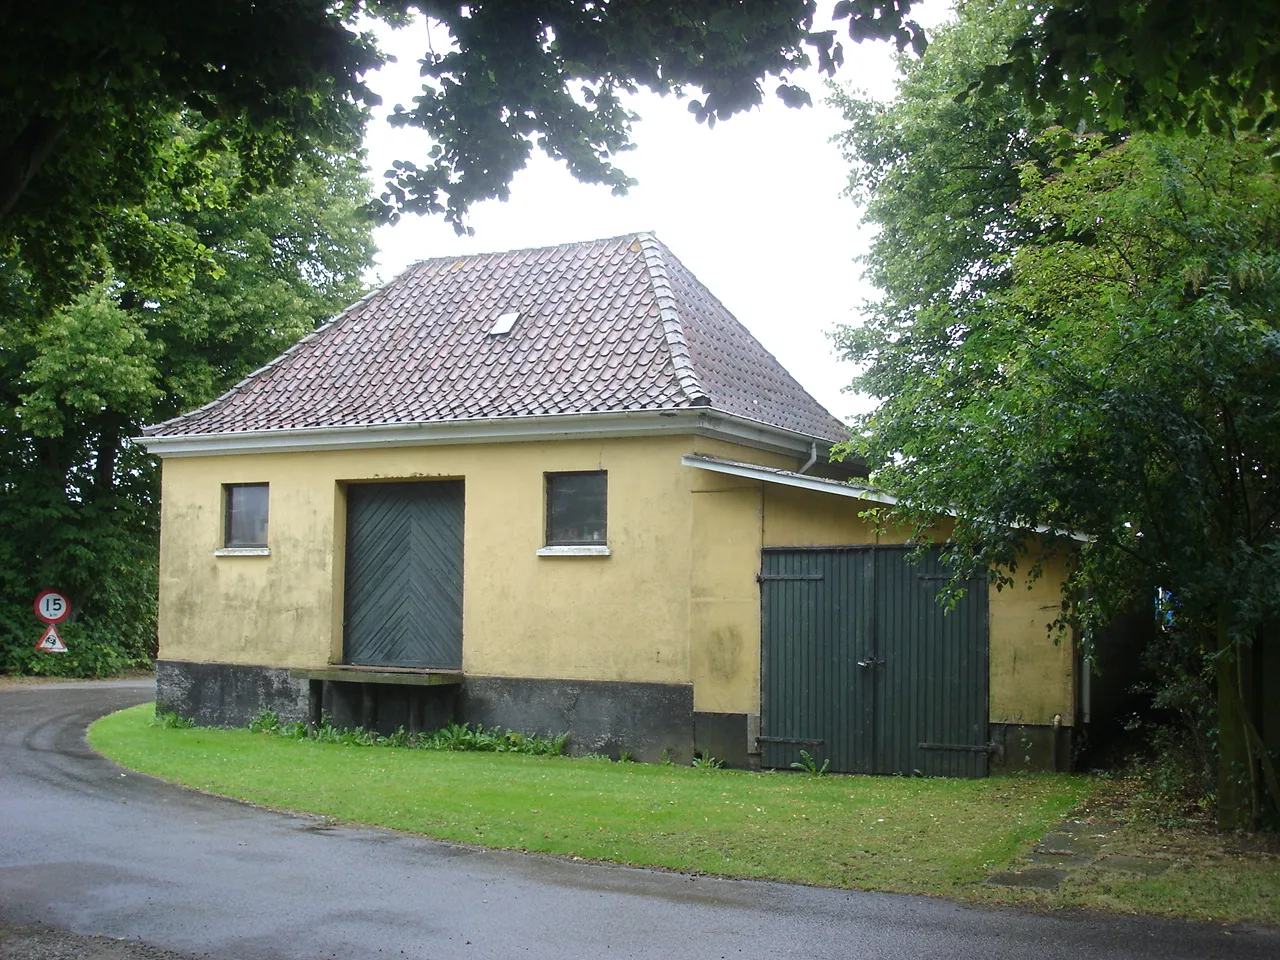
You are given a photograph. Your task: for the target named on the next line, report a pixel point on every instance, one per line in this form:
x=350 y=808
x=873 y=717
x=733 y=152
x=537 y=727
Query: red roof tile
x=604 y=326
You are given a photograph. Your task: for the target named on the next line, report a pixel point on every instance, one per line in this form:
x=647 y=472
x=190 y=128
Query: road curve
x=89 y=848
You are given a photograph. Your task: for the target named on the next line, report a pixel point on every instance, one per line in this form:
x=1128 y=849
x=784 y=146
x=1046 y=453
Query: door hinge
x=762 y=577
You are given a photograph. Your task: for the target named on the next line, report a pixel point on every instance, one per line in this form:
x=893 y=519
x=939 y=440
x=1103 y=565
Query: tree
x=79 y=81
x=184 y=293
x=939 y=178
x=84 y=76
x=88 y=91
x=1091 y=346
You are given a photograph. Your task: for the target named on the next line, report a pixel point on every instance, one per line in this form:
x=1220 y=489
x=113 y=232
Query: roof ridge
x=630 y=235
x=763 y=351
x=672 y=328
x=343 y=314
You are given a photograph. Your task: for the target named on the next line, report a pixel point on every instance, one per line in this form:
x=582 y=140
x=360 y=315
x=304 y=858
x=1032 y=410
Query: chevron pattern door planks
x=403 y=603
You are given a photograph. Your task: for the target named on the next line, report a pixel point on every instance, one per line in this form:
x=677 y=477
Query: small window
x=503 y=324
x=246 y=519
x=576 y=508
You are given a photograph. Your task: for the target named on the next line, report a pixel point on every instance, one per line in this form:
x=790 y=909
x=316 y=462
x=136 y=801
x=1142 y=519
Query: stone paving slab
x=1039 y=878
x=1059 y=858
x=1071 y=845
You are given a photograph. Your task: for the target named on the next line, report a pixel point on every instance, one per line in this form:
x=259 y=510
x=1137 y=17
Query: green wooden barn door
x=861 y=665
x=403 y=602
x=931 y=686
x=815 y=613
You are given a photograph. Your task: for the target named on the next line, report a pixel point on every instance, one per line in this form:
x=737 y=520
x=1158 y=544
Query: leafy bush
x=266 y=721
x=103 y=557
x=494 y=740
x=96 y=647
x=1177 y=769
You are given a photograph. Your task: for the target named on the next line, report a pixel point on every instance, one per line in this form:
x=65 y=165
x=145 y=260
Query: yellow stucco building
x=564 y=490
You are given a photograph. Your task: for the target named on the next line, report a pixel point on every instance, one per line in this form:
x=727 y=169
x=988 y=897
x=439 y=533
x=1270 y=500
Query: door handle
x=870 y=662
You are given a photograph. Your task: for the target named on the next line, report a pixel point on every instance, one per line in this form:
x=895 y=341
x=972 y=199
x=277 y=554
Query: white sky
x=752 y=207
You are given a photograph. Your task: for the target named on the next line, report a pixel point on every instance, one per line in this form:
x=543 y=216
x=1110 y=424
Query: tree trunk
x=1237 y=774
x=23 y=157
x=104 y=473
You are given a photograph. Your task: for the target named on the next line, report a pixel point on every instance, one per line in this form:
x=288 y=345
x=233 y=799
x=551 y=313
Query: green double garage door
x=862 y=666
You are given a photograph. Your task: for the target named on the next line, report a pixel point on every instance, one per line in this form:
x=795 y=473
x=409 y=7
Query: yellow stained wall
x=622 y=617
x=1032 y=677
x=728 y=518
x=732 y=518
x=676 y=602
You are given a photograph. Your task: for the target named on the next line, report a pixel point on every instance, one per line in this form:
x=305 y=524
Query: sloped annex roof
x=607 y=326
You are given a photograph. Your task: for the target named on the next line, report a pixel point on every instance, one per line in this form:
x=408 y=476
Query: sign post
x=52 y=607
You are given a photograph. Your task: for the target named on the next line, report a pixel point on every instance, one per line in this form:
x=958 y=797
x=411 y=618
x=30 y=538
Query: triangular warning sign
x=51 y=642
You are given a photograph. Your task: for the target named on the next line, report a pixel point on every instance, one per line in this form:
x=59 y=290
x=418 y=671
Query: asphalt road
x=86 y=848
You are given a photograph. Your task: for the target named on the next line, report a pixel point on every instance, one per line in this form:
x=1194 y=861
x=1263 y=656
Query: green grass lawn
x=910 y=835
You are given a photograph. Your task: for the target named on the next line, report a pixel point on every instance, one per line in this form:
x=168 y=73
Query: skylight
x=504 y=324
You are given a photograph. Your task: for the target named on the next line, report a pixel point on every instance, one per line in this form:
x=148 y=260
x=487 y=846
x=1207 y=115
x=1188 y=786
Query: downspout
x=813 y=457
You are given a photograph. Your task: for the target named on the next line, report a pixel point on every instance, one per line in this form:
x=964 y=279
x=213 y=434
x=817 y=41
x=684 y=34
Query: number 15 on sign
x=52 y=606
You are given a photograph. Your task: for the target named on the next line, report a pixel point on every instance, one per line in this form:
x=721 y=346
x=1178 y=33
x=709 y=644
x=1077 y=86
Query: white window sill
x=242 y=552
x=575 y=550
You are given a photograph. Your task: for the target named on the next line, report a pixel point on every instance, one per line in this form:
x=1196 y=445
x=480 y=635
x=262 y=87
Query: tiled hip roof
x=604 y=326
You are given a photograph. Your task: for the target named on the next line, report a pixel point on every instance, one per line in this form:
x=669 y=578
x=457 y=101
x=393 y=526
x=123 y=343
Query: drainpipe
x=813 y=458
x=1057 y=726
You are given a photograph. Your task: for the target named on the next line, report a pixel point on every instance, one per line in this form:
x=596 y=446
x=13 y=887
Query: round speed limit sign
x=52 y=606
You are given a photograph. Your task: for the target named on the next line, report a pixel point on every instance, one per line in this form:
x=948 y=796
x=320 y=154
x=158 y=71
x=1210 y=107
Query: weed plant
x=169 y=720
x=456 y=736
x=810 y=765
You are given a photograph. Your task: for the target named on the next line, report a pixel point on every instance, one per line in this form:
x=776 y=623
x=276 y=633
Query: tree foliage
x=553 y=73
x=1082 y=336
x=181 y=294
x=1195 y=65
x=81 y=82
x=88 y=89
x=939 y=177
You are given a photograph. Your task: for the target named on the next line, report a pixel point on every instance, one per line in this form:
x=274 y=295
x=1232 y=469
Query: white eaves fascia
x=822 y=485
x=787 y=478
x=700 y=421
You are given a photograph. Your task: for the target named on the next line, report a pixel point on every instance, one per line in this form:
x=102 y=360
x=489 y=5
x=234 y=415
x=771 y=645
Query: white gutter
x=813 y=458
x=699 y=421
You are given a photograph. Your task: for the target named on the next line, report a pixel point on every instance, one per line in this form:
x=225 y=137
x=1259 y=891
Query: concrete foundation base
x=649 y=721
x=229 y=695
x=727 y=737
x=1022 y=747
